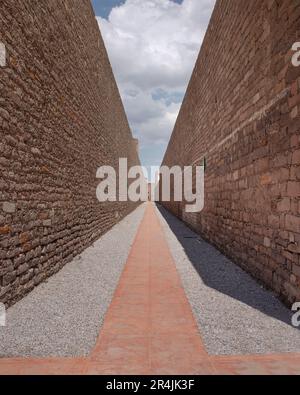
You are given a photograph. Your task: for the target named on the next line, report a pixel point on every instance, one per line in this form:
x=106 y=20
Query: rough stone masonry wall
x=61 y=117
x=241 y=112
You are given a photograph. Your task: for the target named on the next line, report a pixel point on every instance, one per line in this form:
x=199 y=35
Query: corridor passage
x=150 y=327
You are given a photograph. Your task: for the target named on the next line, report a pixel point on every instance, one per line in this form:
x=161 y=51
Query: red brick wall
x=61 y=117
x=241 y=111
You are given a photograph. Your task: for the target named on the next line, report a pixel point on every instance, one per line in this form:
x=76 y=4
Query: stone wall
x=241 y=112
x=61 y=117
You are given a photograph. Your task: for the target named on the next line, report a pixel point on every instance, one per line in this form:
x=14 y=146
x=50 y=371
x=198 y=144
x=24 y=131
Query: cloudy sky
x=153 y=46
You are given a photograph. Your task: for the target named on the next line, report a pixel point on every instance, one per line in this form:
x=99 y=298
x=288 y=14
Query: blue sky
x=152 y=46
x=103 y=7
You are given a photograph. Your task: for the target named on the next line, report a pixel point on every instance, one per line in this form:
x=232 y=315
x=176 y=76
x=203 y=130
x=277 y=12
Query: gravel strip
x=62 y=317
x=235 y=315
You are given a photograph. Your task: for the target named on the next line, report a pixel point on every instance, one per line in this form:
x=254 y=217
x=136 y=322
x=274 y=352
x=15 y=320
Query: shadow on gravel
x=221 y=274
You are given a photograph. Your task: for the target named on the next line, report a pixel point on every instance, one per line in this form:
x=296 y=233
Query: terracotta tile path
x=149 y=327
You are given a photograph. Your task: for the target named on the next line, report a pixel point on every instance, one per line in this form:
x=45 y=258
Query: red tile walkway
x=149 y=327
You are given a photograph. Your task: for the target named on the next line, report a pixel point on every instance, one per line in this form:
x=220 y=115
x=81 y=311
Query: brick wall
x=241 y=112
x=61 y=118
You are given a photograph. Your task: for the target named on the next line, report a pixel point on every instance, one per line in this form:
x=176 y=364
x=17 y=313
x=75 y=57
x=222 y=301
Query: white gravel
x=235 y=315
x=62 y=317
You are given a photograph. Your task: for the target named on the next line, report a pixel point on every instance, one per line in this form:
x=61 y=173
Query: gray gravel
x=62 y=317
x=235 y=315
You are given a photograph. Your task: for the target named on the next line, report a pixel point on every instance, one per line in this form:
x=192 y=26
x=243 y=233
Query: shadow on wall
x=221 y=274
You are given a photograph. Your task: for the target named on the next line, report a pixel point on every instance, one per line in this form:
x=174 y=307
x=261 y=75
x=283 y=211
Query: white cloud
x=153 y=46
